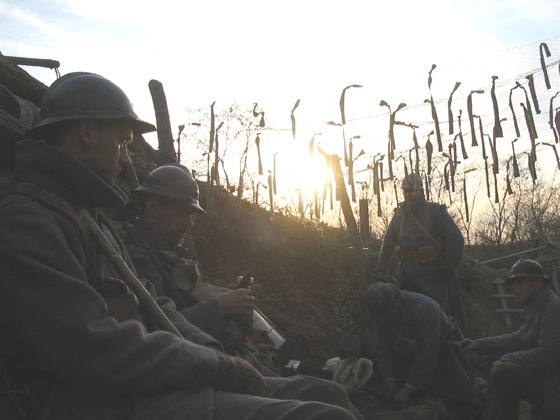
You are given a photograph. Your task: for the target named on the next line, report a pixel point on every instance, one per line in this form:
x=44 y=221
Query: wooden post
x=364 y=218
x=345 y=204
x=165 y=137
x=555 y=271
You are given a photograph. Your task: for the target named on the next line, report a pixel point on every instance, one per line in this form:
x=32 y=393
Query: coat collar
x=51 y=169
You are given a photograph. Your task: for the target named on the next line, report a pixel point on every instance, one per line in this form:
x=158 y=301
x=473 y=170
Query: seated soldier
x=167 y=199
x=67 y=354
x=530 y=367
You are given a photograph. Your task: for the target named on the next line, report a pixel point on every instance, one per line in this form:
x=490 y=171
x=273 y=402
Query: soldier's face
x=525 y=289
x=107 y=147
x=411 y=196
x=171 y=219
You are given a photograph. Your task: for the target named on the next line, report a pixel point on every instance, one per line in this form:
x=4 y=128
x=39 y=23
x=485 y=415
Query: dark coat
x=535 y=345
x=55 y=331
x=436 y=278
x=155 y=262
x=414 y=352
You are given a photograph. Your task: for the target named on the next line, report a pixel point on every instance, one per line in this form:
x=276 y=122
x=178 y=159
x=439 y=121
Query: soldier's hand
x=236 y=302
x=468 y=345
x=236 y=375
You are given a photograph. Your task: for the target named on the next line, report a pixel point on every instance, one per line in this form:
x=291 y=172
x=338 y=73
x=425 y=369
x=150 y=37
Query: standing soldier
x=428 y=244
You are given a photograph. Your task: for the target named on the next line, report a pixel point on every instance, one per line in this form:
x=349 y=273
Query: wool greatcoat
x=535 y=345
x=413 y=351
x=156 y=262
x=436 y=278
x=74 y=359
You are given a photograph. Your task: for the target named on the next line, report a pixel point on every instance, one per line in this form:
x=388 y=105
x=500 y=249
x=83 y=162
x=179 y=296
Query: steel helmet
x=527 y=268
x=82 y=95
x=381 y=298
x=412 y=182
x=172 y=181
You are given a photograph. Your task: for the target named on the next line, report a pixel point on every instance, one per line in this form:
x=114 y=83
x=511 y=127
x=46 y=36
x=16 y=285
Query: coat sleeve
x=206 y=315
x=545 y=356
x=384 y=356
x=428 y=325
x=453 y=242
x=500 y=343
x=61 y=322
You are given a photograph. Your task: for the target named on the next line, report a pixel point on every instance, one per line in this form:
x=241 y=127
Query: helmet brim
x=160 y=192
x=139 y=126
x=197 y=208
x=513 y=277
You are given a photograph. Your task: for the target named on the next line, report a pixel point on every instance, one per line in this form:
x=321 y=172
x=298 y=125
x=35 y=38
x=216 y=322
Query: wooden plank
x=21 y=83
x=34 y=62
x=165 y=137
x=503 y=301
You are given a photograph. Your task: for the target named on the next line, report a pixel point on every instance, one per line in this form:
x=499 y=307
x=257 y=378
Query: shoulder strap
x=424 y=228
x=56 y=202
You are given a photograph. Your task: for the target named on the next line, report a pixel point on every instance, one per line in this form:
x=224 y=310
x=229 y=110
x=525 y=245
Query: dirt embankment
x=308 y=288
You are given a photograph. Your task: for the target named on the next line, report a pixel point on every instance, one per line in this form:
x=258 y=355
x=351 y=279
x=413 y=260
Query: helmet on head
x=527 y=269
x=82 y=95
x=412 y=182
x=174 y=182
x=381 y=298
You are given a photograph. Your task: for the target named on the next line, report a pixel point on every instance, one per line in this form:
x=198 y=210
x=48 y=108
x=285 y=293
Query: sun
x=299 y=170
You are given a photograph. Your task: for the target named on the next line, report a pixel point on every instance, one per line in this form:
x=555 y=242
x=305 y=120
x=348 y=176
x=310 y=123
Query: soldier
x=413 y=350
x=167 y=201
x=68 y=350
x=428 y=244
x=530 y=367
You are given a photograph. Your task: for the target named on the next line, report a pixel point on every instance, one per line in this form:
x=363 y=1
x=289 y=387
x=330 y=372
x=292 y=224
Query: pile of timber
x=20 y=98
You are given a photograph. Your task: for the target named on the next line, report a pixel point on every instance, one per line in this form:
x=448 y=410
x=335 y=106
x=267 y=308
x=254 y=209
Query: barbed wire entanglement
x=488 y=123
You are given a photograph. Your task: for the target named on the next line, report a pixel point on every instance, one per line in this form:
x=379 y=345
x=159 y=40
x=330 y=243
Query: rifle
x=127 y=275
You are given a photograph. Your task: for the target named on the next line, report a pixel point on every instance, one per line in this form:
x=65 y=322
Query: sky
x=276 y=52
x=269 y=52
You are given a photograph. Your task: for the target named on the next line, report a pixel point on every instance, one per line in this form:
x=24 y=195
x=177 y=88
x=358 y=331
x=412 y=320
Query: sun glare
x=299 y=170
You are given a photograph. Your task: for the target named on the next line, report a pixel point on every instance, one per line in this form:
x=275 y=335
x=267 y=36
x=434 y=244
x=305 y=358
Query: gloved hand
x=403 y=395
x=236 y=375
x=468 y=344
